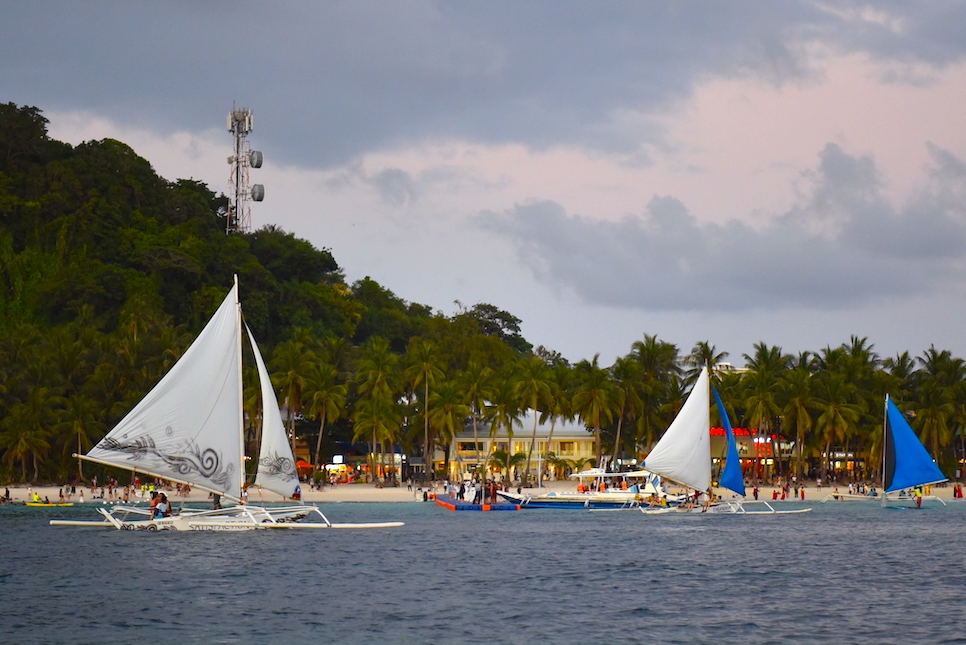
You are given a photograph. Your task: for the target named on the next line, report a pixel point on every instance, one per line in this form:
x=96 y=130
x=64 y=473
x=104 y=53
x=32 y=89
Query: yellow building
x=572 y=446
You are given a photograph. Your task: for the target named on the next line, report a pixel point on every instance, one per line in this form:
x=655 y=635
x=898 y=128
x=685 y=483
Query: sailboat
x=905 y=462
x=683 y=455
x=189 y=429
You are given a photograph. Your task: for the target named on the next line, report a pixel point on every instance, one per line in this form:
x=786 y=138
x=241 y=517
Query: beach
x=376 y=494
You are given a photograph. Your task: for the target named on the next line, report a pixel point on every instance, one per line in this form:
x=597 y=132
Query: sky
x=792 y=173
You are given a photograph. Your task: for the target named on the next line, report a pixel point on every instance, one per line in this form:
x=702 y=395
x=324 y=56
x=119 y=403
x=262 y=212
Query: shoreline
x=343 y=493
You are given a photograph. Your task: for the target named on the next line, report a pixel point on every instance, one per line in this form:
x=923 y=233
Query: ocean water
x=845 y=573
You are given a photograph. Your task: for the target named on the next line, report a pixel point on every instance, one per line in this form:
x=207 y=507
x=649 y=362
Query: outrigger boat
x=189 y=429
x=683 y=455
x=906 y=464
x=598 y=489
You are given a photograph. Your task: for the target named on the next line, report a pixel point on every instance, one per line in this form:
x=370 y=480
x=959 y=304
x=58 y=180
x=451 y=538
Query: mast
x=241 y=394
x=885 y=429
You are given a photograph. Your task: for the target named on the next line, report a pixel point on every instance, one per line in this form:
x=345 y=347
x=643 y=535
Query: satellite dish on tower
x=240 y=123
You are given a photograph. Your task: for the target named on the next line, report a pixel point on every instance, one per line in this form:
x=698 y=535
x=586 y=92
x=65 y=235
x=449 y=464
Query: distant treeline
x=108 y=271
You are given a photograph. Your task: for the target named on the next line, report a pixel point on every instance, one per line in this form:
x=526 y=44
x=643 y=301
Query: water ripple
x=843 y=573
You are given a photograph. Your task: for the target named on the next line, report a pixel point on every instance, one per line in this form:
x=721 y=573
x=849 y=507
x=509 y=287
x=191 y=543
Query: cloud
x=844 y=246
x=329 y=81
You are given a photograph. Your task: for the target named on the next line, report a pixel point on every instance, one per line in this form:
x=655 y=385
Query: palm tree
x=957 y=402
x=933 y=411
x=658 y=359
x=377 y=369
x=838 y=418
x=766 y=365
x=768 y=359
x=902 y=368
x=423 y=361
x=449 y=411
x=79 y=421
x=799 y=401
x=531 y=388
x=334 y=350
x=290 y=368
x=25 y=433
x=376 y=376
x=475 y=382
x=558 y=403
x=502 y=411
x=377 y=417
x=760 y=404
x=703 y=354
x=325 y=397
x=625 y=373
x=505 y=462
x=938 y=382
x=595 y=398
x=659 y=364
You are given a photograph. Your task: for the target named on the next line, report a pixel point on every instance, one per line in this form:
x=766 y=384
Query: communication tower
x=240 y=123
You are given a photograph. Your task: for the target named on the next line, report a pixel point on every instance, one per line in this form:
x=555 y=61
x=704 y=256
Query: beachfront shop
x=759 y=453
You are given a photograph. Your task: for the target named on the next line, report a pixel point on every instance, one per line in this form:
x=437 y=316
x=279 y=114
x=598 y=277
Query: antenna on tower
x=240 y=123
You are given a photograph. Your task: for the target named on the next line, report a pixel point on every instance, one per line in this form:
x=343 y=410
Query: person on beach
x=918 y=494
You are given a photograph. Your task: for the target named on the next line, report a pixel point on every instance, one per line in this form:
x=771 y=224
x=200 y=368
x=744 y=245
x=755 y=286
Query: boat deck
x=456 y=505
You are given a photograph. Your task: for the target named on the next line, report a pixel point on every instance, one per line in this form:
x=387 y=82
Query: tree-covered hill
x=107 y=271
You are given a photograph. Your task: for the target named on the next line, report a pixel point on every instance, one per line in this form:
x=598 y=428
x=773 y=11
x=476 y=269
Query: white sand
x=373 y=493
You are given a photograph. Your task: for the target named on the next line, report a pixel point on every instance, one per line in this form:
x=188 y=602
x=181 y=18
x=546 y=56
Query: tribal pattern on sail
x=184 y=461
x=276 y=465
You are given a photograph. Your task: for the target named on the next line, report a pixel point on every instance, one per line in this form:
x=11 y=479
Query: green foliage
x=107 y=271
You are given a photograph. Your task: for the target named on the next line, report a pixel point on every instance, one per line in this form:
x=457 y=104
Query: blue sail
x=906 y=463
x=731 y=478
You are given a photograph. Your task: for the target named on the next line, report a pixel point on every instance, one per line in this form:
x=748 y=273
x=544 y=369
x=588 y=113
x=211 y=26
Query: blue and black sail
x=905 y=461
x=731 y=478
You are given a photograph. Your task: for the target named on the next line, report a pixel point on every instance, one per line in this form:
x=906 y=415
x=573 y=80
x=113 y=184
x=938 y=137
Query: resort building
x=571 y=445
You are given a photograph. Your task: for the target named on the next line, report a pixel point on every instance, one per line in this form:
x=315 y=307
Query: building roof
x=562 y=429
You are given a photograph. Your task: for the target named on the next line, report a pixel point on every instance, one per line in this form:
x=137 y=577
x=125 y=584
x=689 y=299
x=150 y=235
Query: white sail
x=684 y=452
x=188 y=428
x=276 y=464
